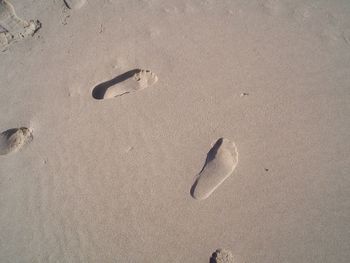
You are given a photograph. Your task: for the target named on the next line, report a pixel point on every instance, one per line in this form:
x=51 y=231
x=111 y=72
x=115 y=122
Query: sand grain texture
x=108 y=180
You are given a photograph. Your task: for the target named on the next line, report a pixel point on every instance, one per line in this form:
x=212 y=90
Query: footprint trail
x=221 y=161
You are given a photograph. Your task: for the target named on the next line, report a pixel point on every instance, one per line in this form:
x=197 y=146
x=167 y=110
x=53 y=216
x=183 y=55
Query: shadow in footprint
x=221 y=256
x=210 y=156
x=8 y=133
x=99 y=91
x=74 y=4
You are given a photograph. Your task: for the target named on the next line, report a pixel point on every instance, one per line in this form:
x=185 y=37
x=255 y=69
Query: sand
x=109 y=180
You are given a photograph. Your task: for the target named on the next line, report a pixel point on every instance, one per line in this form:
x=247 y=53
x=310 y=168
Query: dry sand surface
x=162 y=131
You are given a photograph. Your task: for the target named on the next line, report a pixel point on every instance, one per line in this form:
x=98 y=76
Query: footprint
x=221 y=256
x=302 y=13
x=74 y=4
x=273 y=7
x=13 y=140
x=12 y=27
x=221 y=160
x=346 y=36
x=130 y=82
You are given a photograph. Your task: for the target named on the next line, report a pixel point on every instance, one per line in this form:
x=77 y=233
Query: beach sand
x=121 y=104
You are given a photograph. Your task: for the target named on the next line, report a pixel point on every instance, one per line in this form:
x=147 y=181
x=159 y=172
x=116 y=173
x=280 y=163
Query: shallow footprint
x=13 y=140
x=221 y=160
x=74 y=4
x=221 y=256
x=12 y=27
x=129 y=82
